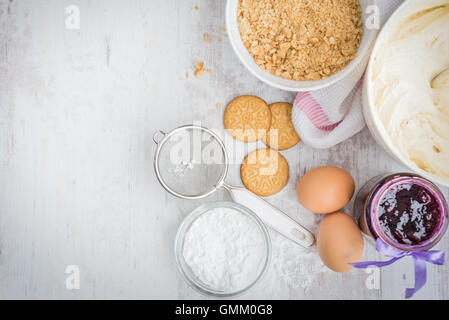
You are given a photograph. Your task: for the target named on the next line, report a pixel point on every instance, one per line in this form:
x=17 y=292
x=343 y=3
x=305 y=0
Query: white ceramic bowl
x=293 y=85
x=373 y=122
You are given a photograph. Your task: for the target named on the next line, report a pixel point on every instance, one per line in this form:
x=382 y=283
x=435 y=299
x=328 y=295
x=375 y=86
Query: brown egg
x=339 y=242
x=325 y=189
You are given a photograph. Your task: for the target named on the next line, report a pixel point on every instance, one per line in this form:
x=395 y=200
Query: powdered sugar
x=180 y=169
x=225 y=249
x=293 y=265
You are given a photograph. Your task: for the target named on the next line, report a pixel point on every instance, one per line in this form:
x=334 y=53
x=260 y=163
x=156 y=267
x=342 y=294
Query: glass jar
x=187 y=273
x=405 y=210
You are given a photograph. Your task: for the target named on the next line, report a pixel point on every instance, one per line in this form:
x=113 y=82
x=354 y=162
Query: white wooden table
x=78 y=108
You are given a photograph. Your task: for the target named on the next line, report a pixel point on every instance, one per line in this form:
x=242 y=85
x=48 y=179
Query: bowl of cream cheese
x=406 y=110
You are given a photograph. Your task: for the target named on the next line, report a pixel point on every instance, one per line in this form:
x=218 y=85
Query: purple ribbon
x=420 y=258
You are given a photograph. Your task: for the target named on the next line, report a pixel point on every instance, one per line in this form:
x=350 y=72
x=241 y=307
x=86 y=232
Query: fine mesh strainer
x=191 y=162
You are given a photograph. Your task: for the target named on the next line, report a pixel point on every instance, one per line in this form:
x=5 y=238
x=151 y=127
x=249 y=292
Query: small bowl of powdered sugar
x=222 y=249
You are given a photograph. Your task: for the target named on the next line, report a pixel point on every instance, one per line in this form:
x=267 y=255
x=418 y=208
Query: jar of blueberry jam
x=405 y=210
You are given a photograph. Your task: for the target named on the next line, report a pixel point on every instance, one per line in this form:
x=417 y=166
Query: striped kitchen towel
x=326 y=117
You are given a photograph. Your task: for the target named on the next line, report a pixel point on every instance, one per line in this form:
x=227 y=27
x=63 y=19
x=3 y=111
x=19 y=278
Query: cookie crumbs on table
x=198 y=73
x=199 y=69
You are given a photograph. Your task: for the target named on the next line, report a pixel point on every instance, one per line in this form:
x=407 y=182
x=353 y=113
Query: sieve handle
x=158 y=136
x=273 y=217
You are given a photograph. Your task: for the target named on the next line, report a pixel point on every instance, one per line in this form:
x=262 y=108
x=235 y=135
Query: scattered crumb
x=187 y=75
x=198 y=73
x=207 y=37
x=218 y=106
x=199 y=69
x=223 y=31
x=220 y=40
x=199 y=65
x=196 y=7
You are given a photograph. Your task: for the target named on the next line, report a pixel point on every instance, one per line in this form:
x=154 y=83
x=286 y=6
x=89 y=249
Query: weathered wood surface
x=77 y=112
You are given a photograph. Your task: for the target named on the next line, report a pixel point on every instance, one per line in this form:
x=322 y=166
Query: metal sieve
x=191 y=162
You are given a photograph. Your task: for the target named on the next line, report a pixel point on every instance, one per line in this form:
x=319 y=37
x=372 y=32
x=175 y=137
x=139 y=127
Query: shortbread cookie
x=264 y=172
x=247 y=118
x=282 y=134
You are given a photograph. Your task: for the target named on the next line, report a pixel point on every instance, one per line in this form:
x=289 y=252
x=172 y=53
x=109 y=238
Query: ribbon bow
x=420 y=258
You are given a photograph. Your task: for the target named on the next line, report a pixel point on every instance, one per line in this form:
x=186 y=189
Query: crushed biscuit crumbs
x=207 y=37
x=199 y=69
x=301 y=39
x=199 y=65
x=198 y=73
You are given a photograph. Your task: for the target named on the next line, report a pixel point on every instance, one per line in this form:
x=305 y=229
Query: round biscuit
x=247 y=118
x=264 y=172
x=282 y=134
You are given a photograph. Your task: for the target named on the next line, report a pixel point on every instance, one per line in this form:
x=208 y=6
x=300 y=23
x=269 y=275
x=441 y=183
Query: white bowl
x=286 y=84
x=373 y=122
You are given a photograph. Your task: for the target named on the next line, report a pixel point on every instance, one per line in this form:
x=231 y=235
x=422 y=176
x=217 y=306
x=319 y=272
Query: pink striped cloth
x=306 y=103
x=312 y=109
x=326 y=117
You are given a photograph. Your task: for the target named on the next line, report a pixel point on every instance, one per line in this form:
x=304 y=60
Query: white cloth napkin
x=326 y=117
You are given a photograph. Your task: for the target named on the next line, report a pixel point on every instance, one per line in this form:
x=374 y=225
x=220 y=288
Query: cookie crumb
x=199 y=69
x=199 y=65
x=196 y=7
x=198 y=73
x=207 y=37
x=218 y=106
x=187 y=75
